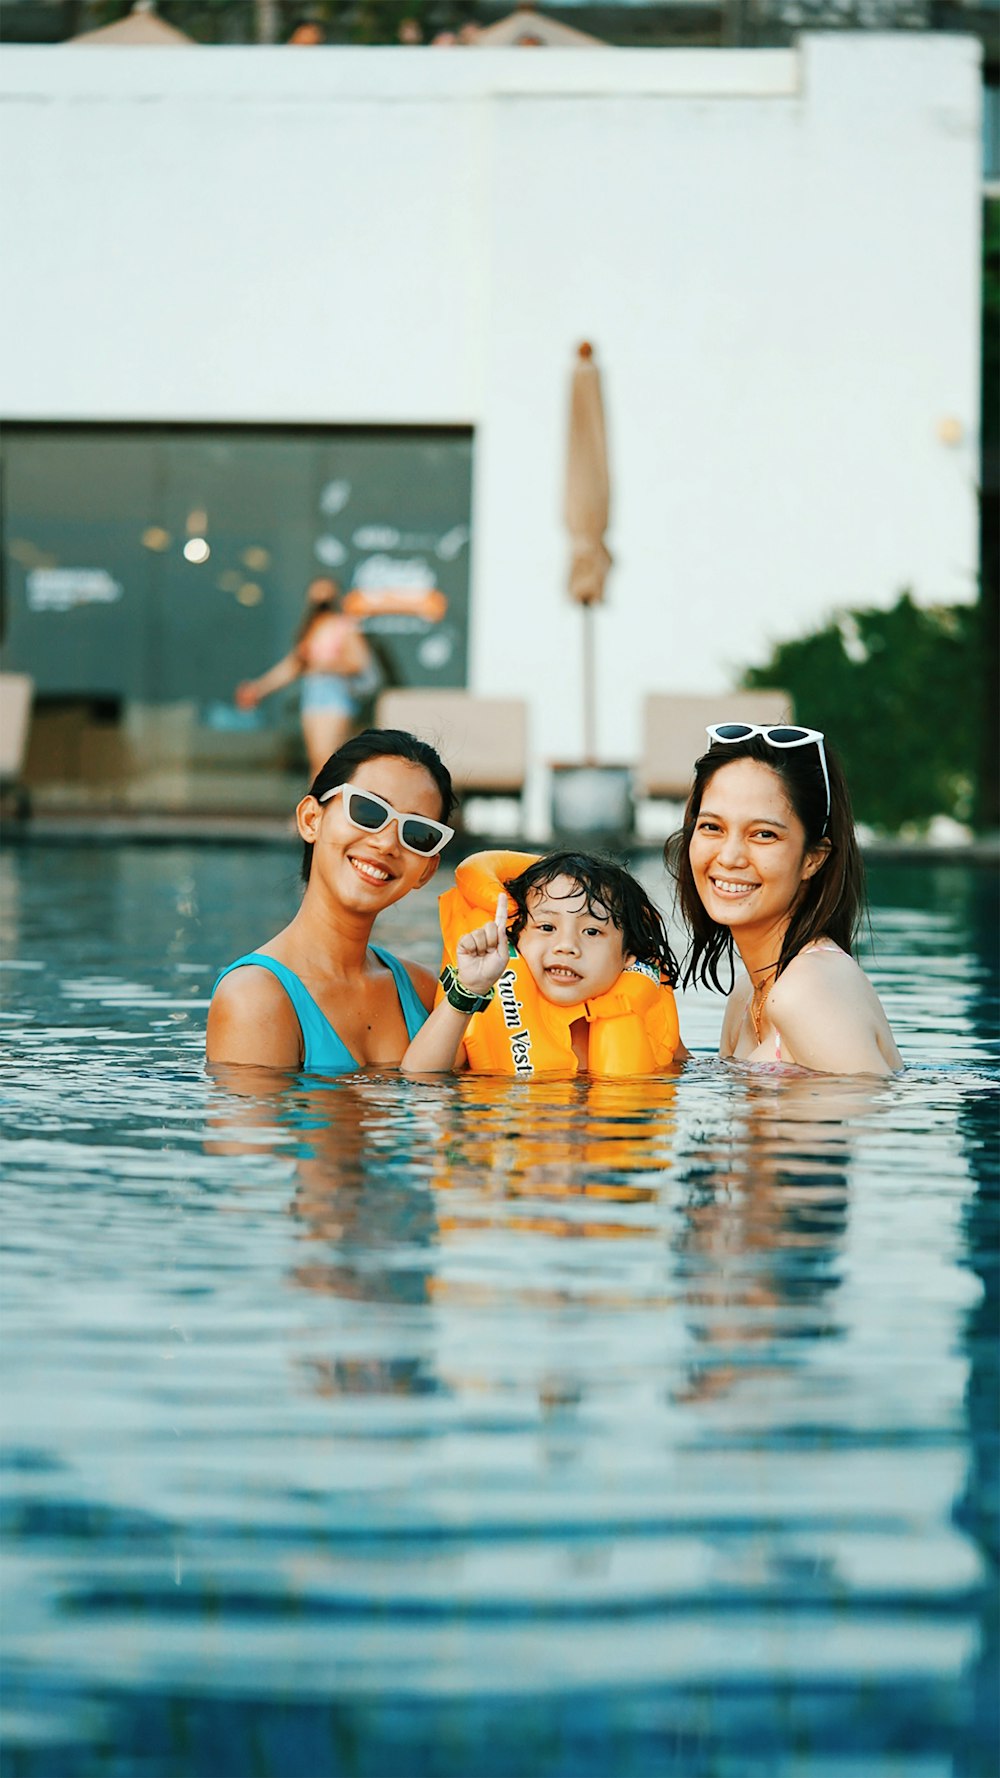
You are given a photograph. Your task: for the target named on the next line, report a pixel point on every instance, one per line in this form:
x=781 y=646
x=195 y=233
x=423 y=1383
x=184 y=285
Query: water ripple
x=445 y=1427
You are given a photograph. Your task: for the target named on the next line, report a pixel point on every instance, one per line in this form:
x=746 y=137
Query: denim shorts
x=330 y=692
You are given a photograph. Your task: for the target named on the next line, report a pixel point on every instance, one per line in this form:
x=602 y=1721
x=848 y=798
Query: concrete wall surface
x=775 y=254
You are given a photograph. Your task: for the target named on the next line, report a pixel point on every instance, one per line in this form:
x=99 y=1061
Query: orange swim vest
x=633 y=1027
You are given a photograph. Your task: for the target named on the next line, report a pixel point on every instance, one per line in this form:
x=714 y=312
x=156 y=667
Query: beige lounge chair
x=483 y=741
x=673 y=732
x=17 y=692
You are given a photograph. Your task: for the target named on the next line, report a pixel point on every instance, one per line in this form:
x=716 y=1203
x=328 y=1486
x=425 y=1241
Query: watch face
x=462 y=999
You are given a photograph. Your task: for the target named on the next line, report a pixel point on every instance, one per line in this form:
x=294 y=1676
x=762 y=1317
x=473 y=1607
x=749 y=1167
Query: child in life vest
x=581 y=982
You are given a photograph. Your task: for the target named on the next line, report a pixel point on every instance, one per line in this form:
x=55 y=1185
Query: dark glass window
x=166 y=564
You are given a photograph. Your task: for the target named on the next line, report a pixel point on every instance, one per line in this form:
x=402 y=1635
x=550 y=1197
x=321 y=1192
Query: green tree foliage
x=896 y=692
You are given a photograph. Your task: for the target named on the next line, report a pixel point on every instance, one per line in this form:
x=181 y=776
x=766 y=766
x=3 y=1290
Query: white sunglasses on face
x=371 y=812
x=779 y=734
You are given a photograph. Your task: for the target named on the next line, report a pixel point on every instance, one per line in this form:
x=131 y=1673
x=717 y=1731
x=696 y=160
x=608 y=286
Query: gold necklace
x=758 y=999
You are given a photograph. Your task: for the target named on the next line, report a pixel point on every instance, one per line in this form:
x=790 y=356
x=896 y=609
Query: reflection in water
x=765 y=1195
x=979 y=1506
x=453 y=1427
x=557 y=1157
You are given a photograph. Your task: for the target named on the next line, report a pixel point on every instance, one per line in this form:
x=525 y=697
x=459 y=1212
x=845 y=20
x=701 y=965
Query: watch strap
x=462 y=999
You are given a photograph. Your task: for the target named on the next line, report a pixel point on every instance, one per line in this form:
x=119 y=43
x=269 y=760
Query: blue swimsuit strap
x=409 y=1000
x=314 y=1025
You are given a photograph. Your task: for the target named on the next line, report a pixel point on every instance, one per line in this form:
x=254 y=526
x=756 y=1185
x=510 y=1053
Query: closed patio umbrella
x=586 y=513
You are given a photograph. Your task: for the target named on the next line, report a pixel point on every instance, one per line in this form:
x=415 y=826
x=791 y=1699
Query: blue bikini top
x=325 y=1052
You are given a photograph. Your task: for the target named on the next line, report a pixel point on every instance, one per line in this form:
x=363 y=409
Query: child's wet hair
x=611 y=891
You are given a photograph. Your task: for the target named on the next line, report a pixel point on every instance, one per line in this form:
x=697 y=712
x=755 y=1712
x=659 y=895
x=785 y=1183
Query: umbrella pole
x=589 y=710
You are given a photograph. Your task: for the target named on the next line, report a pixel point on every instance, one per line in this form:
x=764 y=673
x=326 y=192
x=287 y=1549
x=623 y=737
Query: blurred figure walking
x=337 y=669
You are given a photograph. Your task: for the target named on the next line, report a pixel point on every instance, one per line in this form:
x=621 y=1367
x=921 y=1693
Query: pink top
x=323 y=644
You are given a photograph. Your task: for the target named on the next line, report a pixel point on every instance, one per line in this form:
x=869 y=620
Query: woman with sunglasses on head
x=319 y=997
x=767 y=864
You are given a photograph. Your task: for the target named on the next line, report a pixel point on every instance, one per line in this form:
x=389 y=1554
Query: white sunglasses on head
x=778 y=734
x=369 y=811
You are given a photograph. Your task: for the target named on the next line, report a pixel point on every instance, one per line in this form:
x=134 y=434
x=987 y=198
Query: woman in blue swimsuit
x=319 y=997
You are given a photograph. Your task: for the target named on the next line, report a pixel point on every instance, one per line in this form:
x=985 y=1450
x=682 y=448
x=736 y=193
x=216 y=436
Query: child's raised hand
x=481 y=956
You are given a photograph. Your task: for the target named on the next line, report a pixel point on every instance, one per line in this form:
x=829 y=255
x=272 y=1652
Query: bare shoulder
x=251 y=1019
x=825 y=974
x=830 y=1017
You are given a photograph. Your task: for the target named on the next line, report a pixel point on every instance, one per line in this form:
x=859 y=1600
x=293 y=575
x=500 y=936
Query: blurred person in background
x=308 y=33
x=337 y=669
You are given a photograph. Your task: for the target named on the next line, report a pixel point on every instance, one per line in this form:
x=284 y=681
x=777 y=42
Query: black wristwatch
x=462 y=999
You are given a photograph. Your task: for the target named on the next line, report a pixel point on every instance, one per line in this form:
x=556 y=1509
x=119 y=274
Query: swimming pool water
x=464 y=1427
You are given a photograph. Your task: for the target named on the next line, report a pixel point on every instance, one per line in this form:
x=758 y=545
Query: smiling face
x=363 y=871
x=573 y=951
x=748 y=852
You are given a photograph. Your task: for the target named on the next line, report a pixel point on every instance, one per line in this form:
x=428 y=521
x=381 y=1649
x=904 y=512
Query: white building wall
x=776 y=255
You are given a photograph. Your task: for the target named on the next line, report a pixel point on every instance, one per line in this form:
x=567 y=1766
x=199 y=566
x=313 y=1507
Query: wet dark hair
x=610 y=890
x=832 y=904
x=379 y=743
x=313 y=610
